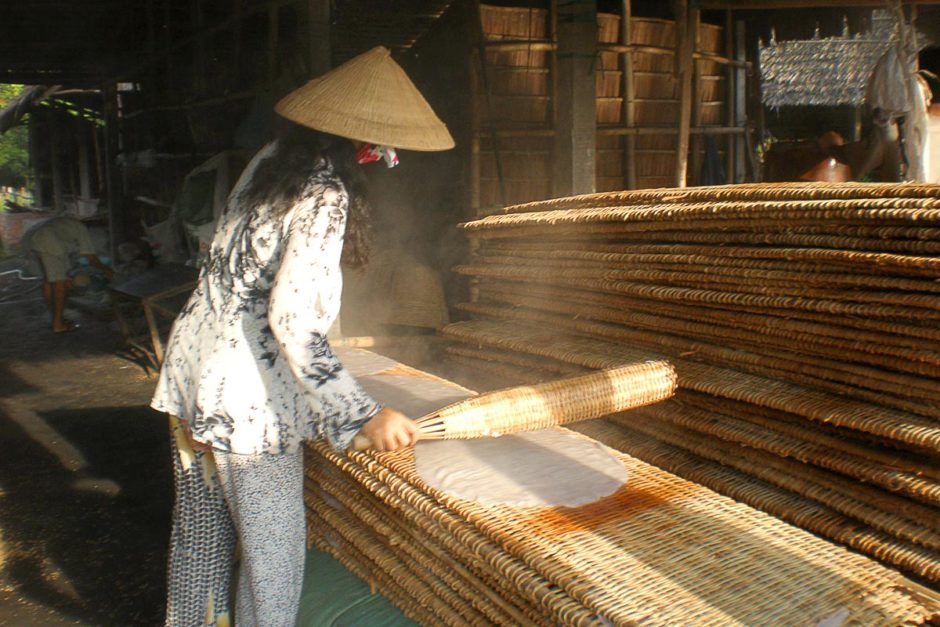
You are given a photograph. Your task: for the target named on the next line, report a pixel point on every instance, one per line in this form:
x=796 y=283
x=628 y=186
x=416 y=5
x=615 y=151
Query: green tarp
x=334 y=597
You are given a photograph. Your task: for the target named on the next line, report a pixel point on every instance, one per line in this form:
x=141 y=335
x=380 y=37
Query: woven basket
x=519 y=81
x=518 y=144
x=656 y=112
x=645 y=31
x=712 y=89
x=514 y=22
x=609 y=110
x=653 y=62
x=609 y=183
x=609 y=163
x=655 y=85
x=530 y=110
x=608 y=28
x=655 y=182
x=660 y=141
x=516 y=165
x=608 y=83
x=609 y=142
x=709 y=68
x=607 y=61
x=712 y=113
x=711 y=38
x=659 y=164
x=526 y=58
x=517 y=191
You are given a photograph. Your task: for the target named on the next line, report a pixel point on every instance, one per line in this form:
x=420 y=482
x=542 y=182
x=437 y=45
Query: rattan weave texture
x=605 y=561
x=801 y=319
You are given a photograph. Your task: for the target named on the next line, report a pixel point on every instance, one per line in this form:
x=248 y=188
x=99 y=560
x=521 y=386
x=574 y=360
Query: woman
x=248 y=370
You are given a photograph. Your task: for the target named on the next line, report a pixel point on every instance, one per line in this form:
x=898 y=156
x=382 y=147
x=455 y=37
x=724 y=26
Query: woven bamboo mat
x=851 y=302
x=445 y=560
x=783 y=504
x=888 y=340
x=746 y=192
x=775 y=432
x=795 y=507
x=598 y=352
x=801 y=319
x=831 y=371
x=756 y=237
x=613 y=557
x=816 y=258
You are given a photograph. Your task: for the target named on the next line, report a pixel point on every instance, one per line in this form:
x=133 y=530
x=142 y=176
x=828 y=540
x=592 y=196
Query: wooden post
x=237 y=40
x=114 y=187
x=39 y=196
x=477 y=125
x=684 y=43
x=84 y=169
x=576 y=105
x=730 y=101
x=273 y=31
x=857 y=123
x=168 y=43
x=319 y=55
x=199 y=48
x=743 y=151
x=629 y=108
x=57 y=191
x=697 y=140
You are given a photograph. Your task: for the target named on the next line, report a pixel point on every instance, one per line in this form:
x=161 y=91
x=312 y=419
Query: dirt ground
x=85 y=483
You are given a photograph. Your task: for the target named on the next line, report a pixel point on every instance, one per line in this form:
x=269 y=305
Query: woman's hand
x=389 y=430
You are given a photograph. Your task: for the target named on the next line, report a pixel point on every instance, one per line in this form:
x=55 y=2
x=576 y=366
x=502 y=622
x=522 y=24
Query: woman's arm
x=304 y=301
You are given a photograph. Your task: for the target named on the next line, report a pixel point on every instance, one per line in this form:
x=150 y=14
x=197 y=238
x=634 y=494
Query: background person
x=56 y=244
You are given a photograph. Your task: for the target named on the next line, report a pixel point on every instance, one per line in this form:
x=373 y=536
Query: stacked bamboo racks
x=661 y=550
x=801 y=319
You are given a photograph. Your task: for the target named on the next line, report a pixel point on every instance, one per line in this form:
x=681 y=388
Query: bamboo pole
x=684 y=41
x=629 y=110
x=697 y=98
x=477 y=124
x=199 y=48
x=731 y=110
x=273 y=34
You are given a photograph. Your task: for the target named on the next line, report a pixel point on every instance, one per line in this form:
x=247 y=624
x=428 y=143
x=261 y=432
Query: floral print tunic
x=247 y=365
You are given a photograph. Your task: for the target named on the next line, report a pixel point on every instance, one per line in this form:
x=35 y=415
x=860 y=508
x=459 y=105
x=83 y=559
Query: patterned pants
x=221 y=498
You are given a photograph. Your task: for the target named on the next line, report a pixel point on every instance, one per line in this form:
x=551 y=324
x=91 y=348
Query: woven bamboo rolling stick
x=532 y=407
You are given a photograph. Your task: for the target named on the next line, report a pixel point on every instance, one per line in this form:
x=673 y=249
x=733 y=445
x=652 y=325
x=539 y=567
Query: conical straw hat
x=370 y=99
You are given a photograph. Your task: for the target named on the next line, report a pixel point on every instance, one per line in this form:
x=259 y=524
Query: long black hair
x=281 y=180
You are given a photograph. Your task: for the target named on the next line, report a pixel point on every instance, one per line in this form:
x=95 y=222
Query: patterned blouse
x=247 y=365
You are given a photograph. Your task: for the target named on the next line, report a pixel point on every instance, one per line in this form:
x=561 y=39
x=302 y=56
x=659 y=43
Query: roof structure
x=76 y=43
x=823 y=72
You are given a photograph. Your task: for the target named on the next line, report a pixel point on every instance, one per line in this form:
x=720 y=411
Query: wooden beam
x=112 y=177
x=697 y=143
x=628 y=86
x=686 y=20
x=731 y=117
x=319 y=54
x=274 y=35
x=575 y=104
x=744 y=152
x=759 y=5
x=199 y=48
x=221 y=26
